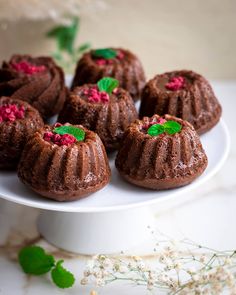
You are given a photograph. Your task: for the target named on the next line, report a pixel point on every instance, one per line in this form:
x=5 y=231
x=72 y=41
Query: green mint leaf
x=83 y=47
x=172 y=127
x=57 y=56
x=106 y=53
x=78 y=133
x=62 y=277
x=34 y=260
x=107 y=84
x=155 y=130
x=65 y=35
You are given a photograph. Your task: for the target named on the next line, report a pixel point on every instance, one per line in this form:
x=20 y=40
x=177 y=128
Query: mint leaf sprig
x=78 y=133
x=61 y=277
x=169 y=127
x=67 y=54
x=107 y=84
x=35 y=261
x=106 y=53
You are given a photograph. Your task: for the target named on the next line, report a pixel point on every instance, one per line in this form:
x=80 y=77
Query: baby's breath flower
x=98 y=274
x=198 y=290
x=168 y=251
x=137 y=258
x=84 y=281
x=123 y=269
x=178 y=266
x=141 y=266
x=100 y=282
x=217 y=287
x=206 y=291
x=230 y=281
x=196 y=277
x=87 y=273
x=132 y=265
x=162 y=258
x=150 y=285
x=205 y=277
x=163 y=278
x=172 y=285
x=95 y=257
x=228 y=261
x=152 y=275
x=202 y=259
x=191 y=270
x=183 y=292
x=90 y=264
x=116 y=267
x=179 y=269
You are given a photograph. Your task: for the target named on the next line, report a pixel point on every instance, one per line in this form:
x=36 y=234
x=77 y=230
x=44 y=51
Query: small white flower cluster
x=99 y=268
x=179 y=268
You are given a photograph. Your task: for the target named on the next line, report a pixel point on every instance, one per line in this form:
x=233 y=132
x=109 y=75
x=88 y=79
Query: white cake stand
x=115 y=218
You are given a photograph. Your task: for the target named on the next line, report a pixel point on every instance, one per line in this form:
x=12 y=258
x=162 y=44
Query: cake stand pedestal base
x=92 y=233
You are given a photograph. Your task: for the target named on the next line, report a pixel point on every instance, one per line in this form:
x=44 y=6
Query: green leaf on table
x=172 y=127
x=107 y=84
x=156 y=130
x=106 y=53
x=65 y=35
x=34 y=260
x=62 y=277
x=78 y=133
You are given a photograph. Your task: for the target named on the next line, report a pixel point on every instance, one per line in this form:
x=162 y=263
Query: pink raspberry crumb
x=27 y=68
x=96 y=96
x=85 y=91
x=175 y=83
x=57 y=124
x=11 y=112
x=109 y=61
x=47 y=136
x=65 y=139
x=161 y=121
x=120 y=54
x=101 y=61
x=104 y=96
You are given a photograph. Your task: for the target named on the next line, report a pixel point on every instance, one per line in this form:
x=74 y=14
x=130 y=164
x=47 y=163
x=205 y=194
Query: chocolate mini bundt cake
x=103 y=108
x=161 y=153
x=184 y=94
x=39 y=81
x=18 y=120
x=118 y=63
x=64 y=162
